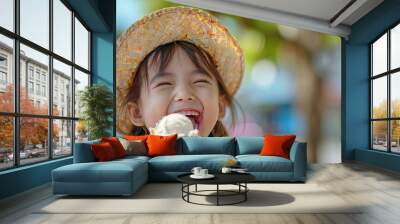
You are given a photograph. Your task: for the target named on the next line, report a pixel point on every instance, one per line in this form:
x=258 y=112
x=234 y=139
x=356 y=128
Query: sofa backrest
x=249 y=145
x=192 y=146
x=83 y=152
x=206 y=145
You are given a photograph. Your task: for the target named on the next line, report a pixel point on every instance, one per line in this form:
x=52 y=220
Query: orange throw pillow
x=161 y=145
x=116 y=145
x=277 y=145
x=103 y=151
x=136 y=137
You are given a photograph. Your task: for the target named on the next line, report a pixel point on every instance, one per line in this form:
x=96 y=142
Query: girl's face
x=179 y=88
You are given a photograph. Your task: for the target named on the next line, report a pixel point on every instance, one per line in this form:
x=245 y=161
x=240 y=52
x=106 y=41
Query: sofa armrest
x=298 y=155
x=83 y=152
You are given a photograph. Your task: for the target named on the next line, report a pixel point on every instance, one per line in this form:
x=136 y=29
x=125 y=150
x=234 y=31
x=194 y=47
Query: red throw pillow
x=116 y=145
x=277 y=145
x=161 y=145
x=136 y=137
x=103 y=151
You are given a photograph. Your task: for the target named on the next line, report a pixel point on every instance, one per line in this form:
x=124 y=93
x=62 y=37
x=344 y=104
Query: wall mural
x=228 y=76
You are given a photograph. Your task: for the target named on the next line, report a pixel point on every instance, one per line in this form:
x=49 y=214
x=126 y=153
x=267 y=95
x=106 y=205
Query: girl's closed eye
x=161 y=84
x=202 y=81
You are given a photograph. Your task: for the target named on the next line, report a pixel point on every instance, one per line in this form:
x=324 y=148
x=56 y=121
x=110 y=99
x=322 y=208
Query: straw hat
x=167 y=25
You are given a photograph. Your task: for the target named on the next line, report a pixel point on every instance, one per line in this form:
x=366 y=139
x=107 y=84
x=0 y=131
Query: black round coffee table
x=238 y=179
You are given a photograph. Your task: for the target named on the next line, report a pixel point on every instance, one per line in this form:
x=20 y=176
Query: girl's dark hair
x=163 y=55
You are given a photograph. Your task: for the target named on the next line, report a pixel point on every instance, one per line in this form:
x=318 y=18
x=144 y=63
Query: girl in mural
x=177 y=60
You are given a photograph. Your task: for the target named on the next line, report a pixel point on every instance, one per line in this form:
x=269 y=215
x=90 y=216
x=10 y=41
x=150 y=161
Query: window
x=81 y=81
x=3 y=71
x=7 y=89
x=3 y=61
x=62 y=30
x=81 y=45
x=43 y=77
x=3 y=78
x=43 y=90
x=62 y=75
x=34 y=22
x=30 y=87
x=30 y=72
x=7 y=14
x=39 y=72
x=38 y=89
x=55 y=96
x=63 y=140
x=385 y=94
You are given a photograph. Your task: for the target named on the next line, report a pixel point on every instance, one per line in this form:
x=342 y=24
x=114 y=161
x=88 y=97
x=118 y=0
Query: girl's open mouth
x=193 y=115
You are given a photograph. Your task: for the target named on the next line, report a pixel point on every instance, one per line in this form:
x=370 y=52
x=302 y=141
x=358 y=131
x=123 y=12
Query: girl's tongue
x=194 y=120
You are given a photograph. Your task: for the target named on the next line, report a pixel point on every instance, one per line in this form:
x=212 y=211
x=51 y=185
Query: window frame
x=388 y=74
x=16 y=115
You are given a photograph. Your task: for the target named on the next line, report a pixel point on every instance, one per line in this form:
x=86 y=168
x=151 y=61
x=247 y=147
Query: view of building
x=34 y=81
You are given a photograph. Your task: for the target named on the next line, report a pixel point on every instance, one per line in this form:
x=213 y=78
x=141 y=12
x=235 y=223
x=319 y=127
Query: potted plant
x=96 y=103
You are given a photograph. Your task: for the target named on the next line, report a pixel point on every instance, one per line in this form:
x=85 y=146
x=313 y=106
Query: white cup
x=226 y=170
x=196 y=170
x=203 y=172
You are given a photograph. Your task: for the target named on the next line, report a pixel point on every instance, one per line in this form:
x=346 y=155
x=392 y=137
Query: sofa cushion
x=111 y=171
x=103 y=151
x=249 y=145
x=277 y=145
x=136 y=137
x=185 y=163
x=257 y=163
x=116 y=145
x=206 y=145
x=161 y=145
x=131 y=158
x=134 y=147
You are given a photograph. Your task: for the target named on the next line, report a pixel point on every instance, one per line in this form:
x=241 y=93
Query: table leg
x=217 y=194
x=196 y=188
x=245 y=193
x=188 y=189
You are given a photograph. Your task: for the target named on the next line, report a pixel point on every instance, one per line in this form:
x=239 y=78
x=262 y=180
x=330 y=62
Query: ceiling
x=326 y=16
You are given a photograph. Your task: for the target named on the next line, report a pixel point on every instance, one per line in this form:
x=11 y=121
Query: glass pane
x=395 y=47
x=81 y=45
x=34 y=97
x=62 y=141
x=33 y=140
x=395 y=94
x=81 y=81
x=6 y=74
x=62 y=89
x=379 y=55
x=7 y=14
x=395 y=136
x=35 y=21
x=379 y=100
x=379 y=135
x=62 y=29
x=81 y=131
x=6 y=142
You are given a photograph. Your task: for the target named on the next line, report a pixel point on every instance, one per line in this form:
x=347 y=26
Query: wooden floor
x=378 y=188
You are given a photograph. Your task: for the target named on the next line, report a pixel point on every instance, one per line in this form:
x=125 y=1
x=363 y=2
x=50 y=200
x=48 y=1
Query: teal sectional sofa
x=125 y=176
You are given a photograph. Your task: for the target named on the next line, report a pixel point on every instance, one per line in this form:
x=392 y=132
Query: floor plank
x=376 y=189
